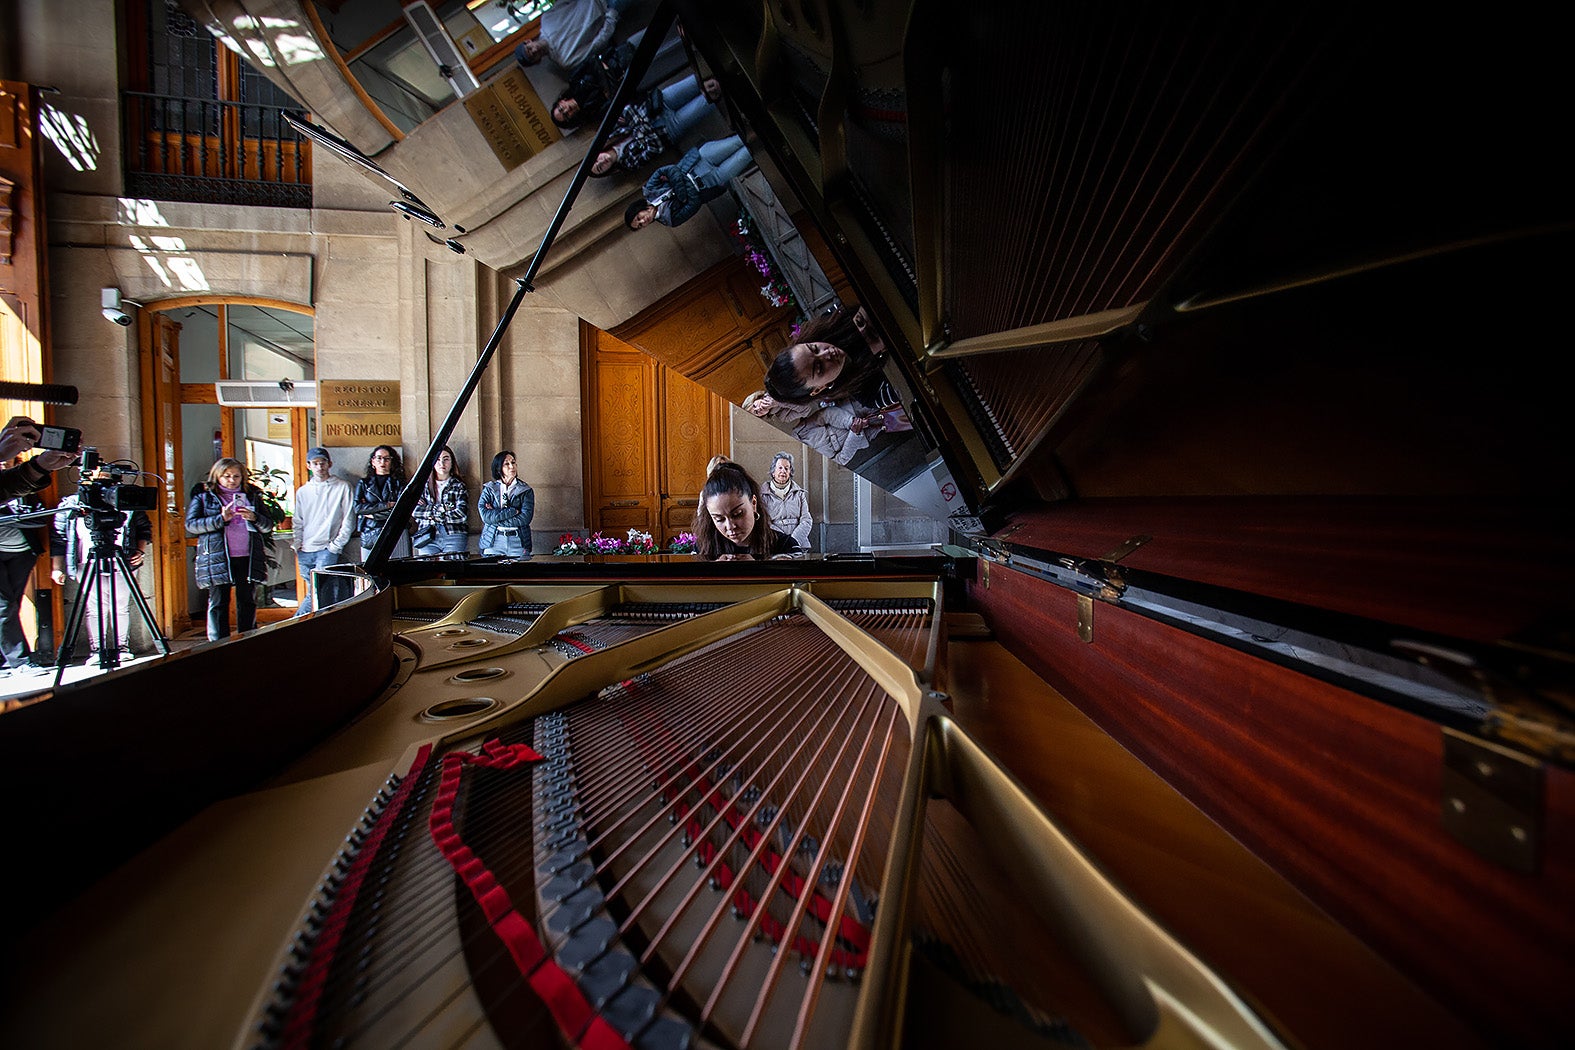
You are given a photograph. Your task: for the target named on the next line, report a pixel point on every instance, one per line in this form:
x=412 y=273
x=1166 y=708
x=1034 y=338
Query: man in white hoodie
x=572 y=31
x=323 y=521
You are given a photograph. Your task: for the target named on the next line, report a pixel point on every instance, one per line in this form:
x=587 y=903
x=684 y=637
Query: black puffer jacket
x=373 y=494
x=205 y=520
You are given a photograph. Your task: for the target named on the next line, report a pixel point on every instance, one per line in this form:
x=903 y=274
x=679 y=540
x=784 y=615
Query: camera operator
x=71 y=547
x=20 y=435
x=20 y=546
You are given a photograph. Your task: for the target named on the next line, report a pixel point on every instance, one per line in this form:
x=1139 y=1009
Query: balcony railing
x=214 y=152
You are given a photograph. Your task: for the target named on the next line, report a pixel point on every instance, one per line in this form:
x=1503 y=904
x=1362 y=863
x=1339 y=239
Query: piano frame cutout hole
x=462 y=707
x=478 y=674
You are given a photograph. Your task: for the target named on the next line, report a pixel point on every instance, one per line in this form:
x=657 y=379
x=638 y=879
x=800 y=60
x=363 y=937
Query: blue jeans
x=307 y=561
x=508 y=545
x=446 y=543
x=683 y=106
x=728 y=156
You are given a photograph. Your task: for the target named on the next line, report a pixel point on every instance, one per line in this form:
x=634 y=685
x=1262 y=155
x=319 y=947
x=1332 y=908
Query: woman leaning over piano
x=732 y=522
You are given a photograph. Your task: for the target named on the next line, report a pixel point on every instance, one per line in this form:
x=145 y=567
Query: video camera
x=103 y=488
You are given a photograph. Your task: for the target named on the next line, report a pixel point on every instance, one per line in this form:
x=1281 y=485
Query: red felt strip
x=576 y=1018
x=301 y=1021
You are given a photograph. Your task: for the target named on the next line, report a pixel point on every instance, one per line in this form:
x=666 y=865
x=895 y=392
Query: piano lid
x=1159 y=251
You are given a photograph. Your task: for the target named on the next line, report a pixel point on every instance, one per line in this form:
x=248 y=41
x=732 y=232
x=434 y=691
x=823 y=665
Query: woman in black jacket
x=375 y=495
x=232 y=525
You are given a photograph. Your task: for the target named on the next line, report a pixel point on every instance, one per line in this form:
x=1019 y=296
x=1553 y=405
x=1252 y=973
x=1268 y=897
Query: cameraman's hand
x=227 y=511
x=59 y=576
x=53 y=460
x=19 y=435
x=135 y=559
x=247 y=515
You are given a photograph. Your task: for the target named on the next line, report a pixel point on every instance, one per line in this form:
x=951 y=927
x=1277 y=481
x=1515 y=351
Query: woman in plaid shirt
x=655 y=123
x=439 y=520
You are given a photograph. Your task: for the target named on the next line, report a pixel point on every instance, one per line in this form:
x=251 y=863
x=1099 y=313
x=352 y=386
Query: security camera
x=112 y=309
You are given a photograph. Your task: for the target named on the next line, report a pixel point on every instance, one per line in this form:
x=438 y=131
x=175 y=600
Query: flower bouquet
x=775 y=291
x=639 y=543
x=570 y=545
x=636 y=542
x=683 y=543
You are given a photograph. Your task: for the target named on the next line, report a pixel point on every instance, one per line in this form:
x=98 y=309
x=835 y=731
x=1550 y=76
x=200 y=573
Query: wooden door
x=692 y=428
x=649 y=433
x=161 y=431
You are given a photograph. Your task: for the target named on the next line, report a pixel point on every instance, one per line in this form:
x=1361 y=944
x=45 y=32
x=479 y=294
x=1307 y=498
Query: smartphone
x=60 y=439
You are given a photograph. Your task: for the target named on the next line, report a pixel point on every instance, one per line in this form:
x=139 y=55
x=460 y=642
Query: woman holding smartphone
x=232 y=526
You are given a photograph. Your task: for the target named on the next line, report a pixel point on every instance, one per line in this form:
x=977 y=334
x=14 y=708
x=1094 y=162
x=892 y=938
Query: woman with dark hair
x=584 y=100
x=657 y=122
x=835 y=359
x=230 y=520
x=375 y=495
x=507 y=505
x=440 y=516
x=732 y=523
x=675 y=193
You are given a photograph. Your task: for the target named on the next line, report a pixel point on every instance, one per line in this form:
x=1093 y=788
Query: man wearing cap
x=323 y=521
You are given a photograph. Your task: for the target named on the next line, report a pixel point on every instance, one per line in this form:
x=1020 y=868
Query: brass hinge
x=1493 y=800
x=1112 y=587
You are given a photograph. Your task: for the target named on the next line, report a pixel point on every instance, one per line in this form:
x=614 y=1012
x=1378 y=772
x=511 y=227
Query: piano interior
x=1236 y=712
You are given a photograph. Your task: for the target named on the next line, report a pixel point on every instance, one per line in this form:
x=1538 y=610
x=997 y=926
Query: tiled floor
x=19 y=686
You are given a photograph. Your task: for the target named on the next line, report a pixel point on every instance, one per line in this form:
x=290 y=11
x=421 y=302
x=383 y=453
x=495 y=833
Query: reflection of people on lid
x=838 y=432
x=653 y=124
x=675 y=193
x=732 y=523
x=832 y=361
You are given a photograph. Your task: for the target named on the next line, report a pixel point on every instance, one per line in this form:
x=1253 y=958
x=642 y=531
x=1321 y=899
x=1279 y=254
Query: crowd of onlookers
x=584 y=43
x=826 y=389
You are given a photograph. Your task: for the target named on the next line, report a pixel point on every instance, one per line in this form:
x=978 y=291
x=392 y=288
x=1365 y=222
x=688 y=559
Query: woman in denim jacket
x=507 y=505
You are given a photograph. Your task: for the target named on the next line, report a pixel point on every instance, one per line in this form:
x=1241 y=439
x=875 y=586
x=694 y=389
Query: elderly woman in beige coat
x=786 y=501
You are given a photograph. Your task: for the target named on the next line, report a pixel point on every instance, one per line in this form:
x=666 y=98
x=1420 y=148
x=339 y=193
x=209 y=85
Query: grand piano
x=1236 y=712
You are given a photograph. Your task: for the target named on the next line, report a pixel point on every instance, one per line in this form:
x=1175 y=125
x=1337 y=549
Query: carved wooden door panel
x=649 y=434
x=693 y=428
x=620 y=458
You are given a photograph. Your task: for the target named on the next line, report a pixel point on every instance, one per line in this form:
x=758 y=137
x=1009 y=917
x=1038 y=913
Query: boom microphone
x=48 y=393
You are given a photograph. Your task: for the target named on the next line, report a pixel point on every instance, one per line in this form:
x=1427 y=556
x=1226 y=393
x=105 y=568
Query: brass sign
x=512 y=118
x=358 y=428
x=358 y=412
x=358 y=395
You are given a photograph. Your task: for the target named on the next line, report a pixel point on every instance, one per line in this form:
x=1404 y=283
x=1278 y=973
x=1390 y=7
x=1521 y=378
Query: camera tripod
x=106 y=568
